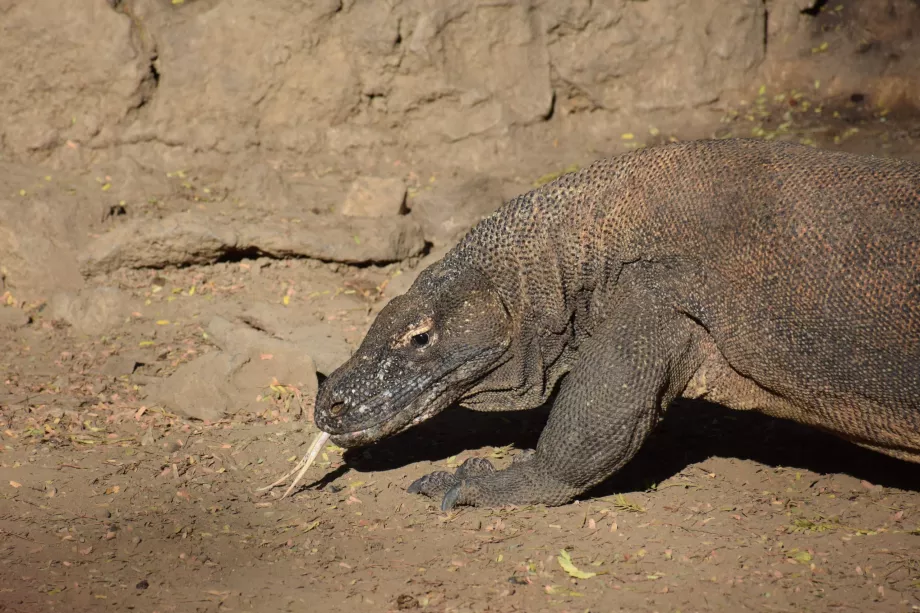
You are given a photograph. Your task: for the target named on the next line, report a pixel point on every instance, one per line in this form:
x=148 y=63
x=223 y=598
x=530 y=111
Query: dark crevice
x=149 y=84
x=399 y=36
x=255 y=324
x=766 y=26
x=425 y=250
x=154 y=74
x=814 y=9
x=234 y=256
x=552 y=106
x=866 y=46
x=144 y=44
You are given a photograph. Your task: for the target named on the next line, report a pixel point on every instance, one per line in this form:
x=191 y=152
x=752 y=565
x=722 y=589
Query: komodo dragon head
x=426 y=349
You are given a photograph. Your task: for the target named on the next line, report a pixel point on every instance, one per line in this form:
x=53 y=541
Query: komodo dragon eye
x=417 y=336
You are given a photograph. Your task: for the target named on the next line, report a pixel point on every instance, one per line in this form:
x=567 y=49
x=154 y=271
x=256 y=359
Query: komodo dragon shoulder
x=764 y=276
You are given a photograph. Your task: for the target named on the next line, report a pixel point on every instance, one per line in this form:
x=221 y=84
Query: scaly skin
x=758 y=275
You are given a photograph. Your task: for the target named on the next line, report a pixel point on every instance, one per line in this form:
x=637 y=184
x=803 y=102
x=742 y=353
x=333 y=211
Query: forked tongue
x=303 y=466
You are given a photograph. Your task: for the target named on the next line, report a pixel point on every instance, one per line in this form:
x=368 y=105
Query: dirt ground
x=110 y=502
x=193 y=134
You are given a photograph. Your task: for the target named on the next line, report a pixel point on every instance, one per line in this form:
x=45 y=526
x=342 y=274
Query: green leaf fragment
x=565 y=561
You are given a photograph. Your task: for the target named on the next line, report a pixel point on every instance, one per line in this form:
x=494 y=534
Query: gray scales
x=758 y=275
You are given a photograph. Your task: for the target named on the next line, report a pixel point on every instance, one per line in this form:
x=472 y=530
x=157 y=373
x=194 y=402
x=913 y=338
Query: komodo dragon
x=757 y=275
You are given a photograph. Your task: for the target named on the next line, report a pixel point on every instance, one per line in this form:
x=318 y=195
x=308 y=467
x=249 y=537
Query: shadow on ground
x=692 y=432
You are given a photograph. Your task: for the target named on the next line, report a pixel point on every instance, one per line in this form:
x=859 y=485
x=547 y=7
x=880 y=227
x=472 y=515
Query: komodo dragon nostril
x=337 y=408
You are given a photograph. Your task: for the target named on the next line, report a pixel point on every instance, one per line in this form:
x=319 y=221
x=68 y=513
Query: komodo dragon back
x=759 y=275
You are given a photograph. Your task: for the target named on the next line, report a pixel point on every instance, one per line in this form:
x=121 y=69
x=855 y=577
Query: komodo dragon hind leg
x=632 y=367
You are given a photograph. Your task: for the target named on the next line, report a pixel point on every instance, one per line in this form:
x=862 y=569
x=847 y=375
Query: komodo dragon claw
x=445 y=485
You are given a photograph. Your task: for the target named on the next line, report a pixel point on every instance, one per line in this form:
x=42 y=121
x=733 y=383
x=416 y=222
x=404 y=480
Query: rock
x=498 y=75
x=11 y=317
x=200 y=389
x=274 y=319
x=44 y=219
x=194 y=238
x=245 y=86
x=350 y=240
x=852 y=60
x=375 y=197
x=231 y=380
x=178 y=239
x=453 y=83
x=328 y=348
x=79 y=82
x=91 y=311
x=122 y=364
x=240 y=338
x=450 y=207
x=652 y=55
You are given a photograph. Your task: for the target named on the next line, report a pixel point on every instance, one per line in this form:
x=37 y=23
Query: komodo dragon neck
x=555 y=256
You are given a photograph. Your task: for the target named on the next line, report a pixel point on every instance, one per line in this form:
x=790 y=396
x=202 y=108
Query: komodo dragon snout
x=425 y=349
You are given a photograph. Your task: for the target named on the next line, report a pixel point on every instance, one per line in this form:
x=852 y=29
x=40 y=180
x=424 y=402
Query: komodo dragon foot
x=448 y=487
x=440 y=483
x=477 y=483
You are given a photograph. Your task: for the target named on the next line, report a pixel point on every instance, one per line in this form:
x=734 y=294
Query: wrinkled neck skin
x=520 y=381
x=544 y=339
x=556 y=268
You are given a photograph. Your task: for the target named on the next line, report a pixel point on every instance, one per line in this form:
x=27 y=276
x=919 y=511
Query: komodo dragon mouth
x=426 y=398
x=430 y=388
x=402 y=409
x=400 y=421
x=408 y=417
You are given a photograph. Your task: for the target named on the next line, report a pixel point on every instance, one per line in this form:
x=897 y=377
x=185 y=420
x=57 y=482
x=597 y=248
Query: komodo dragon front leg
x=627 y=374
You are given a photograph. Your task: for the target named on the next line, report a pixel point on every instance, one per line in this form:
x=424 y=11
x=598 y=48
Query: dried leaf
x=621 y=503
x=565 y=561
